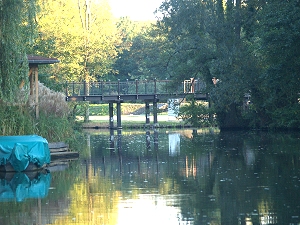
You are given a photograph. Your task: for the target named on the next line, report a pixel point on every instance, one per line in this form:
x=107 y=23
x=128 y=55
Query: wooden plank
x=65 y=155
x=58 y=150
x=58 y=145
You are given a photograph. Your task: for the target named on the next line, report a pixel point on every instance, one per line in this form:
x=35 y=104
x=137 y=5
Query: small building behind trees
x=34 y=61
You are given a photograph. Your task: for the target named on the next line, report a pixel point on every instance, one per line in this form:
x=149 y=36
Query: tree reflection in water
x=174 y=177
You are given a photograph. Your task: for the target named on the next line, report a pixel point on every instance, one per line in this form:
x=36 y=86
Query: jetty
x=61 y=150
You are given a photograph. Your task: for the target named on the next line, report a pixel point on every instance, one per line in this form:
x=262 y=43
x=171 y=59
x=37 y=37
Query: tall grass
x=15 y=120
x=55 y=128
x=53 y=123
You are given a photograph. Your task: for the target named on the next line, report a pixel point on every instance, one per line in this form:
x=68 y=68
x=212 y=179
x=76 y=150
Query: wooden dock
x=60 y=150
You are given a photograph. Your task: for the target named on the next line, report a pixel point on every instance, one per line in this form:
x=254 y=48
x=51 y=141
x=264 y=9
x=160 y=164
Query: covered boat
x=20 y=153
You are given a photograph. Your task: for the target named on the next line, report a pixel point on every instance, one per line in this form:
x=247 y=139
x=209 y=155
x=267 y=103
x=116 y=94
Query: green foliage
x=50 y=82
x=16 y=31
x=251 y=46
x=139 y=59
x=19 y=120
x=197 y=114
x=15 y=120
x=277 y=91
x=79 y=109
x=206 y=42
x=54 y=129
x=81 y=34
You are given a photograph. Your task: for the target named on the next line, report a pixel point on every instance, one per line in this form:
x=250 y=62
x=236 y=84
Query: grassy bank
x=103 y=109
x=133 y=124
x=133 y=117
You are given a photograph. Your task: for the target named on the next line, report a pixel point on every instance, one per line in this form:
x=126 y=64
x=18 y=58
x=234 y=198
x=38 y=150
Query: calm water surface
x=164 y=177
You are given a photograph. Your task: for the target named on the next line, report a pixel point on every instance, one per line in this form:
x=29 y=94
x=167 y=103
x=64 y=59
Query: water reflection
x=23 y=185
x=174 y=144
x=173 y=177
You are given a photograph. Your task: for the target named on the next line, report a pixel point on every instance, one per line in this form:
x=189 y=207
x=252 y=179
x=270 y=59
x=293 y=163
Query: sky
x=135 y=9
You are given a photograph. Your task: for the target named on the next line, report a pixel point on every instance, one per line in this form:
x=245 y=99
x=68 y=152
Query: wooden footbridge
x=148 y=91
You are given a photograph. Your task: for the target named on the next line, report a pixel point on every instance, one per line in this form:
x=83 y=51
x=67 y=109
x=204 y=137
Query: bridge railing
x=137 y=87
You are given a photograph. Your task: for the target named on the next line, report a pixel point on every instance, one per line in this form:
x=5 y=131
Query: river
x=164 y=177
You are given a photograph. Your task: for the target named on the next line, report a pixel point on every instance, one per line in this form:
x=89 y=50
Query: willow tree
x=16 y=29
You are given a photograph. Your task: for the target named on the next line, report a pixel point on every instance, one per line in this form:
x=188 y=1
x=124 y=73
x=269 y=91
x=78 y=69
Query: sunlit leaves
x=81 y=34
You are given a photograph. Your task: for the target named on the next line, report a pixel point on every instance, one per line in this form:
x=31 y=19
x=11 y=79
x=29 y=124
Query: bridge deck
x=133 y=91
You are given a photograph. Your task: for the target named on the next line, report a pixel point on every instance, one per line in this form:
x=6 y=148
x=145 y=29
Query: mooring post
x=119 y=124
x=147 y=113
x=111 y=115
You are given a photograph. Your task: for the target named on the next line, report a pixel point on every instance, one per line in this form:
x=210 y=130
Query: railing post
x=84 y=87
x=101 y=87
x=136 y=87
x=109 y=89
x=73 y=88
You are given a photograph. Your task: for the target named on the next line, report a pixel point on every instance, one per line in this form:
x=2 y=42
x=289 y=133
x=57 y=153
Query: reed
x=54 y=122
x=15 y=120
x=51 y=102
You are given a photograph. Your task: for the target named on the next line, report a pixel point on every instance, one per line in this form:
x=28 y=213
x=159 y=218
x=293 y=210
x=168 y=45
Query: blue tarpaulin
x=19 y=151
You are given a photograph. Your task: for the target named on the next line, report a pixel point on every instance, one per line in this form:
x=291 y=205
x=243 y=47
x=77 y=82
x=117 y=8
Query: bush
x=197 y=114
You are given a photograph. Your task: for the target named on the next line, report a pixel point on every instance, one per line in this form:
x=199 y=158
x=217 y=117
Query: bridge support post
x=119 y=124
x=111 y=115
x=147 y=113
x=155 y=114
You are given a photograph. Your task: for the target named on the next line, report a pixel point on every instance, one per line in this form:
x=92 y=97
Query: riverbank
x=132 y=122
